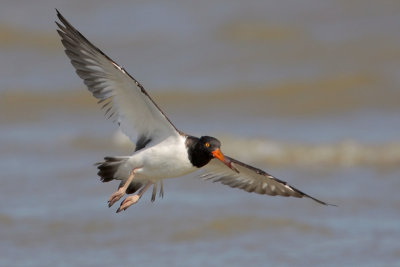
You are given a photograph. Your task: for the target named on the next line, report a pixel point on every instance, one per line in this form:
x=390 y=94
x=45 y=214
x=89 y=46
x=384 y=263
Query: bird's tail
x=109 y=167
x=112 y=168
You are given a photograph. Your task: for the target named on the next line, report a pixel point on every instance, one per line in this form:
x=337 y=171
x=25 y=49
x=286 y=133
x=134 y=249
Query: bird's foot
x=116 y=196
x=129 y=201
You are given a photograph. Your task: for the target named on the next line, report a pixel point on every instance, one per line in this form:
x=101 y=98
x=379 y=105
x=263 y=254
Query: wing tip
x=59 y=15
x=320 y=201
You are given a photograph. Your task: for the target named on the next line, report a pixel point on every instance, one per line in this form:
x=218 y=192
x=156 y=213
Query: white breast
x=167 y=159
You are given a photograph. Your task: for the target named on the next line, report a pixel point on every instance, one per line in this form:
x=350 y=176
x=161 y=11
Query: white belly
x=167 y=159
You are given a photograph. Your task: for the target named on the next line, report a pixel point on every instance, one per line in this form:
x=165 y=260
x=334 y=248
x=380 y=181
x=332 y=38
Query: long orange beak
x=218 y=154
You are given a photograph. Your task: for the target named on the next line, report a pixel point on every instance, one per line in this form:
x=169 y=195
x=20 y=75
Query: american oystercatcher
x=162 y=151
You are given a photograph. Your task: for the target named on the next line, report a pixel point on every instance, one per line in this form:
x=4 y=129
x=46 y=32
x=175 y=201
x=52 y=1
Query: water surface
x=307 y=90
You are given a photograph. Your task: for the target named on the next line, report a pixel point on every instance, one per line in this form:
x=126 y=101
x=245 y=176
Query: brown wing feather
x=252 y=179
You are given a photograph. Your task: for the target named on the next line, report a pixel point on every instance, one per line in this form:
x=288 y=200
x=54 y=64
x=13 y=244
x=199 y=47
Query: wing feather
x=251 y=179
x=122 y=97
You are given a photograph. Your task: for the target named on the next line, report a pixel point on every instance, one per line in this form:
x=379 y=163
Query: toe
x=112 y=201
x=129 y=201
x=124 y=205
x=114 y=198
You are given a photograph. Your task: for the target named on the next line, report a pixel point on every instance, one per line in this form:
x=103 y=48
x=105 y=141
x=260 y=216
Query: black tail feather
x=108 y=171
x=109 y=167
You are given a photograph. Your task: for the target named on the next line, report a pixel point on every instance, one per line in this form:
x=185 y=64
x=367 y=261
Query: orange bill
x=218 y=154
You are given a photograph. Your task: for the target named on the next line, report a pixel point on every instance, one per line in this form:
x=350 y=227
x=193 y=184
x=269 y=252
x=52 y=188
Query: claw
x=129 y=201
x=116 y=196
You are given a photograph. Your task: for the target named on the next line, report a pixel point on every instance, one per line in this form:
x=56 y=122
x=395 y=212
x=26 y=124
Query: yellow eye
x=207 y=144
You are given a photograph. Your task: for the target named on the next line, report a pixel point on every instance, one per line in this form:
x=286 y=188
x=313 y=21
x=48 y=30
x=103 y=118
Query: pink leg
x=122 y=190
x=129 y=201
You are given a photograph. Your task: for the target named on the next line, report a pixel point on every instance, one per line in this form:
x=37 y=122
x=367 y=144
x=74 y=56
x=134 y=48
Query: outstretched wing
x=251 y=179
x=121 y=95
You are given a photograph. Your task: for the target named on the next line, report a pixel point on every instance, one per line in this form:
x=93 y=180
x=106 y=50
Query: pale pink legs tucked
x=129 y=201
x=122 y=190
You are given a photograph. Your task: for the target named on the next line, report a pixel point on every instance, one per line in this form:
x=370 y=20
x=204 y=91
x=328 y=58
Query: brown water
x=307 y=90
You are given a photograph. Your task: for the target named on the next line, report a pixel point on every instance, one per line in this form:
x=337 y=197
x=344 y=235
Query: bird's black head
x=202 y=150
x=208 y=144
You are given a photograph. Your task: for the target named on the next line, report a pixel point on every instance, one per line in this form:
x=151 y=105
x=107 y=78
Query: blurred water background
x=306 y=89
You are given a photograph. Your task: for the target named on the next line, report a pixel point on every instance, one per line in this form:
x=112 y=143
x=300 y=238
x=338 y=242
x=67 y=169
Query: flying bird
x=162 y=151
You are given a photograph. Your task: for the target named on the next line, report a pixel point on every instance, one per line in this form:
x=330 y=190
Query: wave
x=347 y=153
x=13 y=36
x=228 y=226
x=22 y=107
x=329 y=96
